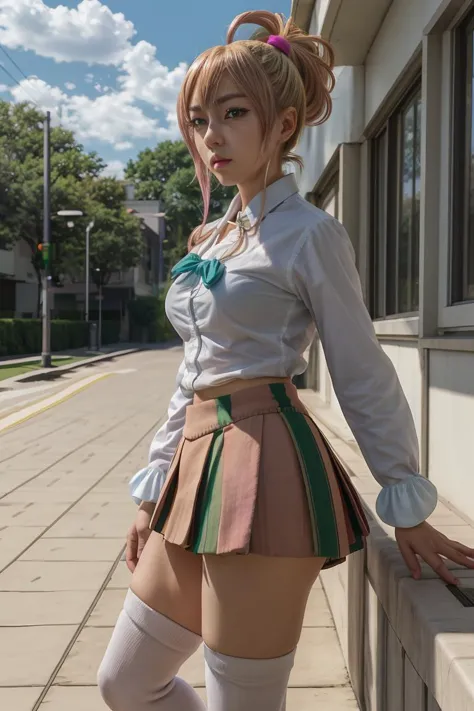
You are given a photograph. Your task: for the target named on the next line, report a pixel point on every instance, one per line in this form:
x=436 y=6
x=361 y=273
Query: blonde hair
x=271 y=80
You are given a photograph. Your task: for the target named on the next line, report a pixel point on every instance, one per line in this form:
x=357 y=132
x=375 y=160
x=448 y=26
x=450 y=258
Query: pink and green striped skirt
x=254 y=474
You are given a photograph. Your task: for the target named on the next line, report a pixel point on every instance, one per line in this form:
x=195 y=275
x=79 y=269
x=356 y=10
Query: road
x=67 y=451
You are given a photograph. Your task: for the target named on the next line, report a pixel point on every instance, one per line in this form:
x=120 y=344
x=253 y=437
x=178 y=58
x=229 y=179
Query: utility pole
x=88 y=234
x=46 y=340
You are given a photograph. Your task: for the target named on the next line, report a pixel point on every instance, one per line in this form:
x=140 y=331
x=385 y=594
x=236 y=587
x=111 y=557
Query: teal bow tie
x=210 y=270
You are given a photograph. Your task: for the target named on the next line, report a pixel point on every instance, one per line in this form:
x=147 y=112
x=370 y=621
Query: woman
x=252 y=501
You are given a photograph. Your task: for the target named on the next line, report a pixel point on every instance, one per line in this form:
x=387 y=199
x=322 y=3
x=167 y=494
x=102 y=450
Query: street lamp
x=79 y=213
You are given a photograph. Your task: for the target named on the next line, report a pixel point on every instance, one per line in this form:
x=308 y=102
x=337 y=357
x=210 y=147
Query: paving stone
x=85 y=522
x=319 y=660
x=19 y=699
x=121 y=577
x=317 y=610
x=80 y=698
x=28 y=655
x=44 y=608
x=107 y=609
x=70 y=549
x=30 y=514
x=32 y=576
x=82 y=663
x=340 y=699
x=13 y=542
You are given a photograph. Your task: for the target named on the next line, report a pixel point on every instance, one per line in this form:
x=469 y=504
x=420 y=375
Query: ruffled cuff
x=407 y=503
x=147 y=484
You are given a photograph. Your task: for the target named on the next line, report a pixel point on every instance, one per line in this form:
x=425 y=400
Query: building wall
x=364 y=98
x=398 y=40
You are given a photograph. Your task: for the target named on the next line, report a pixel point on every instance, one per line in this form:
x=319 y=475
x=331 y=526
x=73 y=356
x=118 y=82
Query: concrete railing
x=408 y=645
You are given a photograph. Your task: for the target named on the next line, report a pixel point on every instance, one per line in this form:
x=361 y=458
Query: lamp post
x=88 y=235
x=46 y=321
x=79 y=213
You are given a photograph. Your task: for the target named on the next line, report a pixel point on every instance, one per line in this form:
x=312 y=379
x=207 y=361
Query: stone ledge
x=408 y=645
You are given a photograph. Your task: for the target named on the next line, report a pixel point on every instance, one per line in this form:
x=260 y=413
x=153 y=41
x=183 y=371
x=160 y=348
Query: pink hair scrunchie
x=280 y=43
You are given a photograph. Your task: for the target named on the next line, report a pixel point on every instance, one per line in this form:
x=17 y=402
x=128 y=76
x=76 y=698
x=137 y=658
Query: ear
x=288 y=121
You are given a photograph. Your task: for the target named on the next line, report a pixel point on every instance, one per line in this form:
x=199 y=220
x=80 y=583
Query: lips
x=218 y=162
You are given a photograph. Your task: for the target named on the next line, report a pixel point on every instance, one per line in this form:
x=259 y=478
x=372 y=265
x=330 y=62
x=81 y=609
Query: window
x=462 y=243
x=395 y=196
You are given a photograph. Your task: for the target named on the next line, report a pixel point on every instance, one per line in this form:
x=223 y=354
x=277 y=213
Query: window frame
x=462 y=140
x=385 y=228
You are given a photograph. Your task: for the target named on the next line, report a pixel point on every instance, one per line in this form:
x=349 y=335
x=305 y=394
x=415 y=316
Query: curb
x=50 y=374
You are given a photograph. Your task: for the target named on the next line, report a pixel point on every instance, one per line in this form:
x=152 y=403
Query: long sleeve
x=325 y=278
x=147 y=483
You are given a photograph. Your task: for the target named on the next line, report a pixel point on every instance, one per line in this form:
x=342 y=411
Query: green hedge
x=23 y=336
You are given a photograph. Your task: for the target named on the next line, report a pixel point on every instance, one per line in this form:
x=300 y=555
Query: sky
x=111 y=70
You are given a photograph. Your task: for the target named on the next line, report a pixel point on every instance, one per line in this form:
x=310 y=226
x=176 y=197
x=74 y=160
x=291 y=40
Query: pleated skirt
x=253 y=473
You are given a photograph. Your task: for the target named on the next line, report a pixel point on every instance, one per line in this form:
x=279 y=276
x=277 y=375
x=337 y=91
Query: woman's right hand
x=138 y=534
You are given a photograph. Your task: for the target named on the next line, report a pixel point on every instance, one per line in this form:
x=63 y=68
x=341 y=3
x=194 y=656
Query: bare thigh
x=253 y=606
x=169 y=580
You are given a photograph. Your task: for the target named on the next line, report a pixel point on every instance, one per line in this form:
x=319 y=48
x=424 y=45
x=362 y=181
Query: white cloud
x=145 y=78
x=50 y=98
x=123 y=146
x=114 y=169
x=3 y=87
x=91 y=32
x=112 y=117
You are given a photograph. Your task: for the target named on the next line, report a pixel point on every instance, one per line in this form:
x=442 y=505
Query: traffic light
x=44 y=253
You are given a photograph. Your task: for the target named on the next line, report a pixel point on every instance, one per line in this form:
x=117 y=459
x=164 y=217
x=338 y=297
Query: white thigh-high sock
x=235 y=684
x=147 y=649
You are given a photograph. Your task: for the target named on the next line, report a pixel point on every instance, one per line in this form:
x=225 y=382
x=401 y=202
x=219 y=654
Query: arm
x=366 y=383
x=147 y=483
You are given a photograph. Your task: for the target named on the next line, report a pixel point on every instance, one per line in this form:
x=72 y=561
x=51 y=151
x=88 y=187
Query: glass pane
x=469 y=247
x=406 y=213
x=379 y=225
x=415 y=272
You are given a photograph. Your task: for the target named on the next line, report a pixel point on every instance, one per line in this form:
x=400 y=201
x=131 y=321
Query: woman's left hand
x=432 y=546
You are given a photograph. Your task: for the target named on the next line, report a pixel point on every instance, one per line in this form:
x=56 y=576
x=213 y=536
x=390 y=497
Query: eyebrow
x=220 y=100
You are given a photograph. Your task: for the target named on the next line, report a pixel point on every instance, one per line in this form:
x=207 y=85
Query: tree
x=116 y=240
x=21 y=199
x=167 y=173
x=76 y=183
x=154 y=167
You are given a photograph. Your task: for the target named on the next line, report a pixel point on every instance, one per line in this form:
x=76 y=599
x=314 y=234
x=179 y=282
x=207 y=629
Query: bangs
x=236 y=61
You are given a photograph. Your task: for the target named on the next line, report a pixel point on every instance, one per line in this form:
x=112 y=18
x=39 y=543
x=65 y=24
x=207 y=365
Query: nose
x=213 y=136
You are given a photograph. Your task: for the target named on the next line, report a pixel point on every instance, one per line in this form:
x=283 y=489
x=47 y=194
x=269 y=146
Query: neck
x=249 y=190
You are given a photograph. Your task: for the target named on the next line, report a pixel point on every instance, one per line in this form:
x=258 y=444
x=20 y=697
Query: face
x=228 y=137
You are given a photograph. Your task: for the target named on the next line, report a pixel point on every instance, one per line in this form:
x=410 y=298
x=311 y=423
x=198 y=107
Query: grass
x=12 y=370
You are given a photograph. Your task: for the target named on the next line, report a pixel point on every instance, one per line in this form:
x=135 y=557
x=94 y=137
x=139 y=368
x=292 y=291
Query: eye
x=197 y=122
x=236 y=113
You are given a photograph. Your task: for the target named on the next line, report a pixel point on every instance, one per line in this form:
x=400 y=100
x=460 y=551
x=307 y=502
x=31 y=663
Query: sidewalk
x=64 y=511
x=72 y=353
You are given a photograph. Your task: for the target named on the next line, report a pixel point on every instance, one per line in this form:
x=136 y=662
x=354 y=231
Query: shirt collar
x=276 y=193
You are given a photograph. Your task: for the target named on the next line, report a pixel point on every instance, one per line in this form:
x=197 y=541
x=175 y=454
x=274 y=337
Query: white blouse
x=296 y=275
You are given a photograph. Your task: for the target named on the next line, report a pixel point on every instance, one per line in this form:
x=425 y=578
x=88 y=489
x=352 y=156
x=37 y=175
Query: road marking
x=27 y=413
x=125 y=371
x=12 y=394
